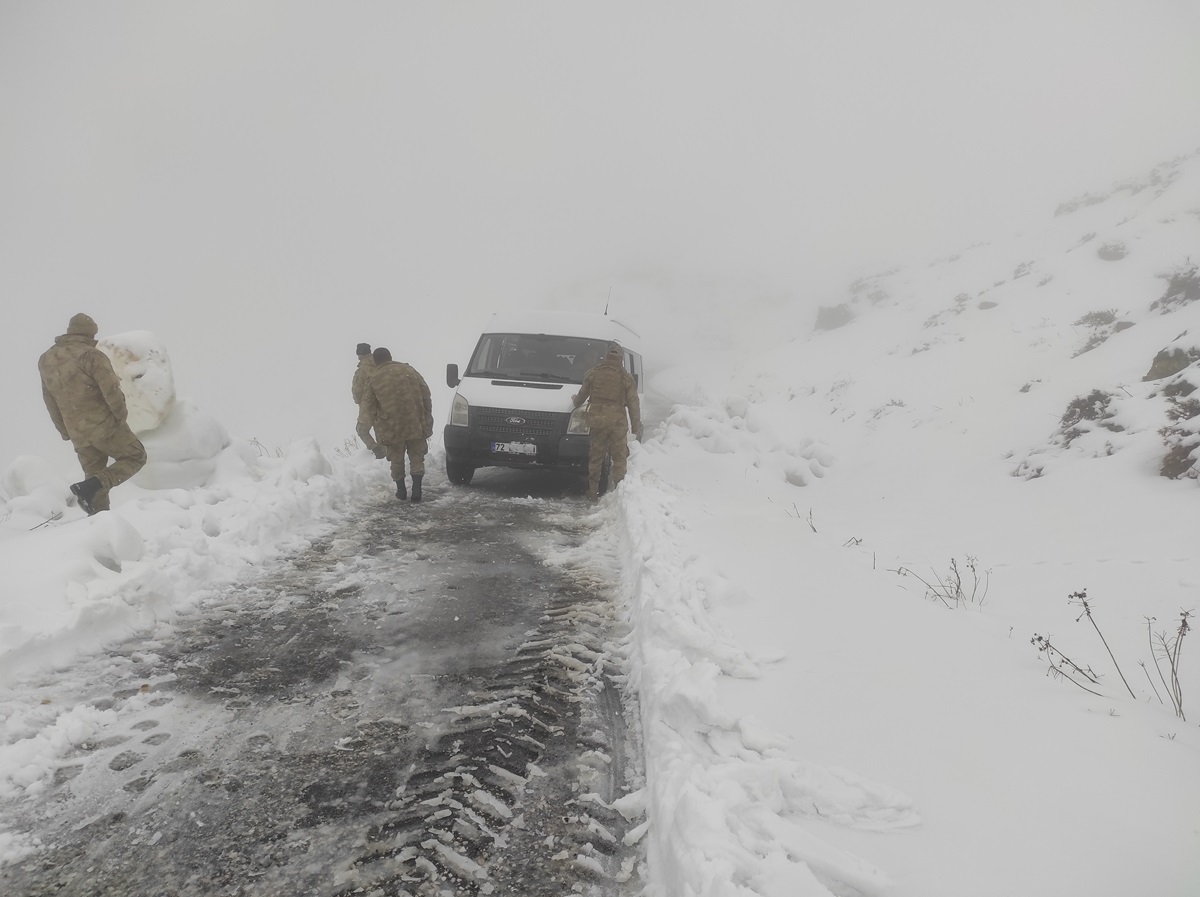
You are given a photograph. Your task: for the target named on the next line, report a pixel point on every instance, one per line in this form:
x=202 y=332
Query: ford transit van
x=513 y=401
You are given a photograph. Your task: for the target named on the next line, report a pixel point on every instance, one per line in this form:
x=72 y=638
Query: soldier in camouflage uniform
x=611 y=394
x=84 y=398
x=358 y=389
x=398 y=401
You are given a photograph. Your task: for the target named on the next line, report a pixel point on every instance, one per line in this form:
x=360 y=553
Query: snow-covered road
x=420 y=703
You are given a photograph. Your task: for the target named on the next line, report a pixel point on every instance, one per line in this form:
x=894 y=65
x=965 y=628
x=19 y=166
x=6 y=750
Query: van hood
x=524 y=395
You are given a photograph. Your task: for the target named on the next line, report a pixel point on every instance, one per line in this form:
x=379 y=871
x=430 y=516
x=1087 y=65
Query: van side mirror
x=452 y=376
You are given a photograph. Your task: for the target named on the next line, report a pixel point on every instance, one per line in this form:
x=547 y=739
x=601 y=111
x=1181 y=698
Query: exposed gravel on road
x=420 y=704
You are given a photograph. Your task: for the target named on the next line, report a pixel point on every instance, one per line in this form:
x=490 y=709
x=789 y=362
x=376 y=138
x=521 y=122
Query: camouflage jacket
x=610 y=390
x=398 y=401
x=358 y=388
x=81 y=390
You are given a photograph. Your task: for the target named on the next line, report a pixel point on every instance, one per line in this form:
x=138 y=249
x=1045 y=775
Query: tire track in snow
x=416 y=705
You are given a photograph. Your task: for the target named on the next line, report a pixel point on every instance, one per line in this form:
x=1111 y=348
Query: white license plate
x=514 y=448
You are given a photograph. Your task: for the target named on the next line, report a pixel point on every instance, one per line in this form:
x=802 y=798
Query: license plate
x=514 y=448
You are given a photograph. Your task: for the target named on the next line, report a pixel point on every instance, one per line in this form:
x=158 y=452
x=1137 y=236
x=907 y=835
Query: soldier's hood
x=75 y=338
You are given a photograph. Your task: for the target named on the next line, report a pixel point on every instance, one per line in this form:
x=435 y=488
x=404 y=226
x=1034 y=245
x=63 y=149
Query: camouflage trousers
x=612 y=440
x=363 y=429
x=128 y=456
x=415 y=449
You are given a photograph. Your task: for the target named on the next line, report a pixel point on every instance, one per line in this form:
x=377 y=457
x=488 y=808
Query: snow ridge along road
x=420 y=704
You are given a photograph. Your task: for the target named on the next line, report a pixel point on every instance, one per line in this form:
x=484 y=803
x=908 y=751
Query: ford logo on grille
x=515 y=421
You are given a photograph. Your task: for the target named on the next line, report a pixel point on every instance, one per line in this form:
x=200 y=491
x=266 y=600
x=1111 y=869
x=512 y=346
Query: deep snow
x=816 y=721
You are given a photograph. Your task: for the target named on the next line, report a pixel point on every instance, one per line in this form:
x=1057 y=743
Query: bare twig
x=1142 y=664
x=972 y=565
x=1059 y=674
x=1184 y=628
x=948 y=589
x=1057 y=667
x=1154 y=657
x=1043 y=644
x=1081 y=598
x=1170 y=649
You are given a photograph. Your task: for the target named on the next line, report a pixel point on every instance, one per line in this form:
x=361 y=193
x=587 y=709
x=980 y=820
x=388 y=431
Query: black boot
x=85 y=492
x=416 y=496
x=401 y=492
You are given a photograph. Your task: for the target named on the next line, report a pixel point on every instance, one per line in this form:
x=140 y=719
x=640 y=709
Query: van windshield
x=536 y=356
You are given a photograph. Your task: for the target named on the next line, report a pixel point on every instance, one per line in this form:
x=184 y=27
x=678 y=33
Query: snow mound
x=34 y=492
x=182 y=441
x=182 y=451
x=141 y=363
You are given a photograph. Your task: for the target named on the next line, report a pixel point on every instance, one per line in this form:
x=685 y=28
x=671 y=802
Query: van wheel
x=459 y=473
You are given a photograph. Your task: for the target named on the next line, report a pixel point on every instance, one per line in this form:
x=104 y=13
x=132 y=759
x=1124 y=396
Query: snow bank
x=75 y=583
x=724 y=794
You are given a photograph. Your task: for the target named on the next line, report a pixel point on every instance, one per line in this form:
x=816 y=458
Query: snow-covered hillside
x=813 y=502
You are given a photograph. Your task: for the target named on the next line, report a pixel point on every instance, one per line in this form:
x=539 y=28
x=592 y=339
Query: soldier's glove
x=638 y=432
x=380 y=452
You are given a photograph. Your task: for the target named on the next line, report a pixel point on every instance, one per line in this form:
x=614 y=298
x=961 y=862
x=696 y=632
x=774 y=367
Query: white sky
x=316 y=174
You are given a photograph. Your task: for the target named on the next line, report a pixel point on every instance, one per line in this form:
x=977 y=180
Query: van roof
x=564 y=323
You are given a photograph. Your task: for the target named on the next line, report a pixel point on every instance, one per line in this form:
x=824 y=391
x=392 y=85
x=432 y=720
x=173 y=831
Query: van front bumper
x=483 y=448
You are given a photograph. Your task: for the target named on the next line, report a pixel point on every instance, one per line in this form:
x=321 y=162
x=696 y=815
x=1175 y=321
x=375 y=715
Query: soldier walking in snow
x=358 y=389
x=84 y=398
x=611 y=394
x=398 y=402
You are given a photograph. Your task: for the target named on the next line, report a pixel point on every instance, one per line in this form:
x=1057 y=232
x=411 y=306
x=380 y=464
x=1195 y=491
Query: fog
x=266 y=184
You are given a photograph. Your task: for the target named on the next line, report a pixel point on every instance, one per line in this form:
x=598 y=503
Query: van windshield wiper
x=522 y=375
x=546 y=375
x=498 y=375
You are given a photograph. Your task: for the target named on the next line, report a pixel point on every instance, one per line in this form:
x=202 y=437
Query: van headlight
x=459 y=411
x=577 y=425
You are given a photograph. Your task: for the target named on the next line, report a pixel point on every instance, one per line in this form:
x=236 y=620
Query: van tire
x=459 y=473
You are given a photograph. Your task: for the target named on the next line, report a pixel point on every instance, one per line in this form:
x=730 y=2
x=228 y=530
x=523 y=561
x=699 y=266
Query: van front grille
x=528 y=423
